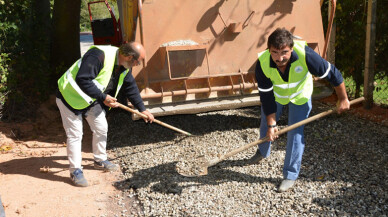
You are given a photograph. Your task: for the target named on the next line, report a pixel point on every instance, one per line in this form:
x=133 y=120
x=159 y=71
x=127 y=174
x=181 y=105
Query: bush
x=4 y=62
x=23 y=40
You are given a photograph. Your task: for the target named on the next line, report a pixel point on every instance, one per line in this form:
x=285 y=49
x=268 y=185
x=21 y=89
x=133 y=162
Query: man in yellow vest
x=284 y=75
x=87 y=89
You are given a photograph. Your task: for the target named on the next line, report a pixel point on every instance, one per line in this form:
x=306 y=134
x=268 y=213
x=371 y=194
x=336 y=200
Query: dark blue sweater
x=92 y=63
x=316 y=65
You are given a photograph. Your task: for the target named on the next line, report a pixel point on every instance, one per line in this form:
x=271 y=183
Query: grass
x=380 y=92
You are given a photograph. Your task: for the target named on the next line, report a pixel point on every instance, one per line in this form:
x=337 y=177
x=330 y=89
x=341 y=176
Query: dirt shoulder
x=34 y=172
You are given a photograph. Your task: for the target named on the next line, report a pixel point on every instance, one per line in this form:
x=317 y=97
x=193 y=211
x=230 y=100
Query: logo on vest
x=298 y=69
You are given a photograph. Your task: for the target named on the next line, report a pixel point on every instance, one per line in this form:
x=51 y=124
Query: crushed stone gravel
x=344 y=167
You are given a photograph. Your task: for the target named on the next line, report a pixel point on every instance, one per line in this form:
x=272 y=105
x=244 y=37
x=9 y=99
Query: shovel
x=203 y=170
x=156 y=121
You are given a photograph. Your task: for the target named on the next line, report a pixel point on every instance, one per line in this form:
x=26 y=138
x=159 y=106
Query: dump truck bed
x=204 y=52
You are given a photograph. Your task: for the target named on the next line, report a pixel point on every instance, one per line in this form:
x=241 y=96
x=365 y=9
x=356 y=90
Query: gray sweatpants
x=73 y=126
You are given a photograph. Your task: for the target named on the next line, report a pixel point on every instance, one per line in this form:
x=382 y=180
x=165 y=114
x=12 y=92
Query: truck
x=201 y=54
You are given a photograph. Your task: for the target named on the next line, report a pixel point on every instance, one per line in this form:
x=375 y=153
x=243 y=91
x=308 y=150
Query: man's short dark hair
x=280 y=38
x=128 y=49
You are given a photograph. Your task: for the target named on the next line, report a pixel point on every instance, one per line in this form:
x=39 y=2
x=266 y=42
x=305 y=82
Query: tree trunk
x=42 y=11
x=358 y=91
x=35 y=42
x=40 y=40
x=65 y=46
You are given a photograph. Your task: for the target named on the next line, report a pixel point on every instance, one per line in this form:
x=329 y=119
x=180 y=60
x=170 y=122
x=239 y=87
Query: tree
x=26 y=41
x=36 y=50
x=351 y=21
x=65 y=49
x=351 y=36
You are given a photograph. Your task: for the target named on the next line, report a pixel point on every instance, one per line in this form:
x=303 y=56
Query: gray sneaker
x=255 y=159
x=77 y=176
x=286 y=185
x=106 y=165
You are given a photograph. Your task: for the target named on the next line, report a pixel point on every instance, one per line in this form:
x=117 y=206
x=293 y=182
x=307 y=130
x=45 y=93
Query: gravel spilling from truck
x=344 y=167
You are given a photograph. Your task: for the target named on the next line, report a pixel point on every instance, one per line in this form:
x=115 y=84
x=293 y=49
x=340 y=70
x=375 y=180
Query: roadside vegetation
x=351 y=22
x=99 y=11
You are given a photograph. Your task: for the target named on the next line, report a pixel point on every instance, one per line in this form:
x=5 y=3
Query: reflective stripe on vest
x=73 y=94
x=121 y=81
x=299 y=87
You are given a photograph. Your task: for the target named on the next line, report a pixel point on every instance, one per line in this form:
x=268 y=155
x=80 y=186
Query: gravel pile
x=344 y=168
x=179 y=43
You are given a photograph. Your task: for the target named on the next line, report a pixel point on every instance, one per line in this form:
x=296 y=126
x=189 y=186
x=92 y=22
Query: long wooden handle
x=156 y=121
x=284 y=130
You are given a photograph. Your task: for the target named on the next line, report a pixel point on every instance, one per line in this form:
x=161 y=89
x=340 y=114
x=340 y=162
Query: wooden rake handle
x=220 y=158
x=156 y=121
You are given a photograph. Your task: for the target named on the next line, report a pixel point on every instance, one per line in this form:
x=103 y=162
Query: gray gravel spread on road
x=344 y=167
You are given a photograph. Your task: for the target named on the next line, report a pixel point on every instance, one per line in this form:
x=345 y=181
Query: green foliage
x=24 y=60
x=350 y=34
x=99 y=10
x=381 y=50
x=380 y=92
x=12 y=14
x=351 y=20
x=84 y=20
x=4 y=61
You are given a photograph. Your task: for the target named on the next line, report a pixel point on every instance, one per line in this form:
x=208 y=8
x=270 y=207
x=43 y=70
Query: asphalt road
x=86 y=40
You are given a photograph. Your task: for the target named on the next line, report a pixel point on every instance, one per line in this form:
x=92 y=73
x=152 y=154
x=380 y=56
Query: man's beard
x=282 y=63
x=126 y=65
x=129 y=64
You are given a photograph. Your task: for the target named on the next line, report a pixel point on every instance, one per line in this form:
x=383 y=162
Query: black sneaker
x=255 y=159
x=106 y=166
x=77 y=176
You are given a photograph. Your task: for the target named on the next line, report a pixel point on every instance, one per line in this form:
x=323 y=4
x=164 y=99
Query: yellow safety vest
x=299 y=87
x=73 y=94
